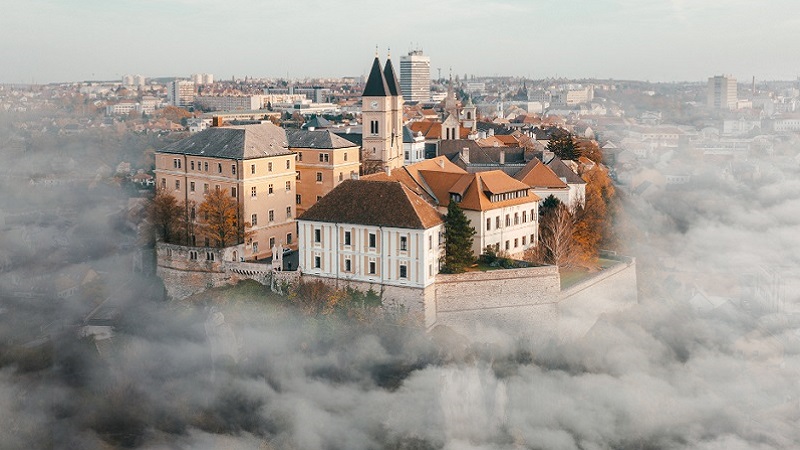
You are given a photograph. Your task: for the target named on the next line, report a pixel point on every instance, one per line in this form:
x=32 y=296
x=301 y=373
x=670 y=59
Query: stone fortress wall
x=524 y=303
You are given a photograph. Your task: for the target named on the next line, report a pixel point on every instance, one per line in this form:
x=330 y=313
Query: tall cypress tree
x=459 y=235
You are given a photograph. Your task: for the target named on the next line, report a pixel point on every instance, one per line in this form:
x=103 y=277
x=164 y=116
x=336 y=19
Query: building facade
x=382 y=118
x=252 y=163
x=415 y=76
x=181 y=93
x=348 y=236
x=324 y=160
x=722 y=92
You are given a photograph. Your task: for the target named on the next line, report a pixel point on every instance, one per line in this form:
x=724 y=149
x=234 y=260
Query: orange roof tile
x=537 y=174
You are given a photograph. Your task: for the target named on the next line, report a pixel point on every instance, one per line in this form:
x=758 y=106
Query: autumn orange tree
x=219 y=219
x=167 y=216
x=592 y=224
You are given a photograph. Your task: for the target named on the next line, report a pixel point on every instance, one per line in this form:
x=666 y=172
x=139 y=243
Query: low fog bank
x=707 y=359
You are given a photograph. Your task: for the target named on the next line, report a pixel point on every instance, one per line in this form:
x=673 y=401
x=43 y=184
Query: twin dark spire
x=382 y=83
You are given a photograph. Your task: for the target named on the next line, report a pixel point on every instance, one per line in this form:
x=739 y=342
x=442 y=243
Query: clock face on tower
x=374 y=105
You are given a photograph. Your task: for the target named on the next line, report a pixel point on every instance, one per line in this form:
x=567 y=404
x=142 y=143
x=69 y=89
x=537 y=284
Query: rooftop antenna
x=376 y=50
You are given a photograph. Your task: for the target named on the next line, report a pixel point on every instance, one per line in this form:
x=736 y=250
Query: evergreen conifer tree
x=459 y=235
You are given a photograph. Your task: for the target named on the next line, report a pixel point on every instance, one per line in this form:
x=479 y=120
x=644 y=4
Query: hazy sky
x=657 y=40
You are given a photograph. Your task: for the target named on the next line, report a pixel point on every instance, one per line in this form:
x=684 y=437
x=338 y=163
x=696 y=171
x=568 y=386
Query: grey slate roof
x=317 y=122
x=481 y=155
x=356 y=137
x=375 y=203
x=239 y=142
x=408 y=135
x=561 y=169
x=391 y=79
x=376 y=82
x=323 y=139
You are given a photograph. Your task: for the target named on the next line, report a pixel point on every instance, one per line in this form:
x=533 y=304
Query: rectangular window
x=341 y=176
x=403 y=271
x=192 y=165
x=348 y=265
x=403 y=243
x=317 y=235
x=488 y=223
x=271 y=242
x=271 y=215
x=372 y=267
x=345 y=156
x=254 y=219
x=372 y=240
x=255 y=247
x=219 y=167
x=524 y=239
x=346 y=238
x=430 y=242
x=233 y=192
x=253 y=191
x=299 y=156
x=298 y=199
x=269 y=167
x=497 y=222
x=288 y=186
x=317 y=262
x=508 y=220
x=319 y=176
x=205 y=166
x=252 y=169
x=233 y=169
x=508 y=245
x=288 y=163
x=191 y=186
x=533 y=239
x=516 y=243
x=288 y=212
x=297 y=175
x=163 y=183
x=205 y=188
x=288 y=238
x=177 y=185
x=269 y=189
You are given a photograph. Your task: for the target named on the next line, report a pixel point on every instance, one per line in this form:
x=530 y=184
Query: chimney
x=388 y=170
x=216 y=121
x=465 y=154
x=490 y=132
x=311 y=128
x=441 y=163
x=502 y=156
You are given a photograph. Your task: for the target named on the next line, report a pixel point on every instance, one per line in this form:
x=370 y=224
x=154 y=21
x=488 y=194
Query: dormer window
x=455 y=197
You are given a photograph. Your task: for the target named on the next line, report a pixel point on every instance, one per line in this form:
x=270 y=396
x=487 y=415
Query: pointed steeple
x=391 y=78
x=376 y=82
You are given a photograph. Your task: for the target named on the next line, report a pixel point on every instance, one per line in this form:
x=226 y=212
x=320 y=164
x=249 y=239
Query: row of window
x=372 y=240
x=202 y=166
x=270 y=216
x=371 y=267
x=270 y=189
x=254 y=244
x=509 y=195
x=193 y=256
x=516 y=219
x=516 y=241
x=323 y=157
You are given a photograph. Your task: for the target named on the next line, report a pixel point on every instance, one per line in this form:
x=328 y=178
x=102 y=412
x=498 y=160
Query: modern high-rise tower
x=415 y=76
x=722 y=92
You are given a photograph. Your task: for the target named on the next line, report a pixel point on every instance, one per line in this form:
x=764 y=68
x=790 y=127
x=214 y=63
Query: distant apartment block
x=722 y=92
x=415 y=76
x=181 y=93
x=133 y=80
x=572 y=94
x=228 y=102
x=202 y=78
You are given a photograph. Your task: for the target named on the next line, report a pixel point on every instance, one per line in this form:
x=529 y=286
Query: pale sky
x=656 y=40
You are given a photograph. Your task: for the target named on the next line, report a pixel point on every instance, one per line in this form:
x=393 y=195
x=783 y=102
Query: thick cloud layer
x=663 y=374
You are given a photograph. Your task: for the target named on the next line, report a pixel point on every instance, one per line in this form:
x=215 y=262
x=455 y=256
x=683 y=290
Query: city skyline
x=654 y=40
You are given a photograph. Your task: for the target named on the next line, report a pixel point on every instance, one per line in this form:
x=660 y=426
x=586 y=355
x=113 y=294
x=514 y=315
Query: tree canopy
x=563 y=145
x=459 y=236
x=219 y=221
x=167 y=216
